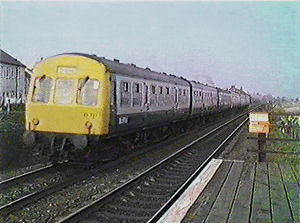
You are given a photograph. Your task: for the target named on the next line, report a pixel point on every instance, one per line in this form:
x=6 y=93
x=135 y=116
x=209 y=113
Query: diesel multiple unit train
x=82 y=98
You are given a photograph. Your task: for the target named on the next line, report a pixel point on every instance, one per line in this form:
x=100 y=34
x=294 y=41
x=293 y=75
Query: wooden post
x=261 y=144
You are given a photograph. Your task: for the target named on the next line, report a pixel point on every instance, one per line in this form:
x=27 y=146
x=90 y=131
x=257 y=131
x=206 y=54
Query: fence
x=285 y=127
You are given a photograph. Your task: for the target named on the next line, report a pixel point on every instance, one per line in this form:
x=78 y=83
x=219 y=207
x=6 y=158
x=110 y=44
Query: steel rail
x=7 y=208
x=16 y=179
x=85 y=209
x=188 y=182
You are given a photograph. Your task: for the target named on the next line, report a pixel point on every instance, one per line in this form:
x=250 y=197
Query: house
x=14 y=80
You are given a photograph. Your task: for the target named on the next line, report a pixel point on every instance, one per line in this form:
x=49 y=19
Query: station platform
x=237 y=191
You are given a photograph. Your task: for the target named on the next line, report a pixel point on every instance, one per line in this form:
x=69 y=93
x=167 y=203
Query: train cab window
x=41 y=90
x=64 y=91
x=87 y=93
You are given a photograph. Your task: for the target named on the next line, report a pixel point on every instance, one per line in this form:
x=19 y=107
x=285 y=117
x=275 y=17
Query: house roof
x=8 y=59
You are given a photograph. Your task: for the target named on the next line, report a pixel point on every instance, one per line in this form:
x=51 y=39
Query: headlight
x=88 y=125
x=35 y=121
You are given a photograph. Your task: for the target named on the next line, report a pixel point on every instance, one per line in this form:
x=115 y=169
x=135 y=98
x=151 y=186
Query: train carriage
x=143 y=98
x=78 y=98
x=235 y=99
x=204 y=99
x=224 y=99
x=80 y=95
x=245 y=99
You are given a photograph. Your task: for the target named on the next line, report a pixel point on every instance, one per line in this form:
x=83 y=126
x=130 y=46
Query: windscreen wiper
x=83 y=83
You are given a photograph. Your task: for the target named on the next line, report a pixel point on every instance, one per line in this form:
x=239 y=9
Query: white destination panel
x=66 y=70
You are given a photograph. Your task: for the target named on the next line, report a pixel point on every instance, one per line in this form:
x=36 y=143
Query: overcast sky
x=255 y=45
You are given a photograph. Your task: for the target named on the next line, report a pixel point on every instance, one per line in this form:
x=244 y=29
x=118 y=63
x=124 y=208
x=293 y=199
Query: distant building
x=14 y=81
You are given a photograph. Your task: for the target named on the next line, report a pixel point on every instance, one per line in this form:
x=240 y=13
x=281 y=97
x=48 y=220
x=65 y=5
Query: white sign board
x=259 y=117
x=66 y=70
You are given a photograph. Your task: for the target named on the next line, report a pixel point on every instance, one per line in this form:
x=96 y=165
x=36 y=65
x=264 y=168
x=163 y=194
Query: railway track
x=28 y=177
x=20 y=203
x=146 y=197
x=25 y=176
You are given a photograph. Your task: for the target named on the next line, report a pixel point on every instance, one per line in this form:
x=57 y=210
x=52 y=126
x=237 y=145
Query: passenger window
x=64 y=91
x=136 y=88
x=41 y=90
x=160 y=89
x=88 y=91
x=167 y=90
x=179 y=91
x=125 y=86
x=153 y=89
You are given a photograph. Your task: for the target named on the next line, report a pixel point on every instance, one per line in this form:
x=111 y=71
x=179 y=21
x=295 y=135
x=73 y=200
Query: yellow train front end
x=69 y=95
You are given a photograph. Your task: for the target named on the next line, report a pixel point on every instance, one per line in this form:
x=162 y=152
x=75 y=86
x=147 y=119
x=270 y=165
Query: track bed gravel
x=62 y=203
x=239 y=148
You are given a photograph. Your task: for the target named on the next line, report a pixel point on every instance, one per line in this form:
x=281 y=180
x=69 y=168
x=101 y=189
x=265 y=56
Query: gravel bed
x=62 y=203
x=20 y=190
x=4 y=175
x=237 y=148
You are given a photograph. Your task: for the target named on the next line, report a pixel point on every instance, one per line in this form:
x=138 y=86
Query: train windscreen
x=64 y=91
x=42 y=89
x=88 y=92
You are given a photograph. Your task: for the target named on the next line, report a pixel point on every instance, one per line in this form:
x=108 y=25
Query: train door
x=146 y=106
x=176 y=98
x=146 y=97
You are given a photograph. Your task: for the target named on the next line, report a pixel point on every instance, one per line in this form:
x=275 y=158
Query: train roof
x=115 y=66
x=202 y=86
x=224 y=90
